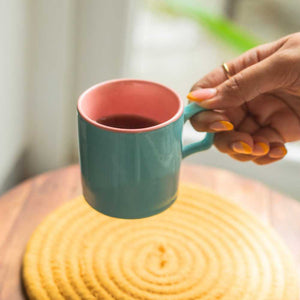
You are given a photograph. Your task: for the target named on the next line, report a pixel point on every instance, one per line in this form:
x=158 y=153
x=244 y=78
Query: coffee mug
x=133 y=173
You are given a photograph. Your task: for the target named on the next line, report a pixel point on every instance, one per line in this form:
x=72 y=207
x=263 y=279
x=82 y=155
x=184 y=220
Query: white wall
x=13 y=87
x=75 y=44
x=51 y=51
x=51 y=73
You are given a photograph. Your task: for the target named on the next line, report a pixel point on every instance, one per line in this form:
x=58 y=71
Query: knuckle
x=233 y=87
x=236 y=81
x=295 y=39
x=232 y=68
x=251 y=57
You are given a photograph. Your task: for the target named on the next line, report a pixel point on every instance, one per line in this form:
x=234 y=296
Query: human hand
x=261 y=100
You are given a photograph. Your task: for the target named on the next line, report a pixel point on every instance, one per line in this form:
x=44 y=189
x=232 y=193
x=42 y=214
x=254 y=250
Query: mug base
x=134 y=216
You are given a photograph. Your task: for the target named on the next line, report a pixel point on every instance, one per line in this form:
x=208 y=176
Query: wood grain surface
x=25 y=206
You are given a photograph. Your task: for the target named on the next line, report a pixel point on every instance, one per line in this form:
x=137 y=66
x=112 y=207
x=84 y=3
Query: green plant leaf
x=222 y=28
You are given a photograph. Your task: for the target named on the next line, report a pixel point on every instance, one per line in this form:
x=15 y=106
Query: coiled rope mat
x=203 y=247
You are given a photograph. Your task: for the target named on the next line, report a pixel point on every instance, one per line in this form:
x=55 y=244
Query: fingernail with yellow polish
x=278 y=152
x=241 y=147
x=284 y=151
x=201 y=94
x=261 y=148
x=221 y=126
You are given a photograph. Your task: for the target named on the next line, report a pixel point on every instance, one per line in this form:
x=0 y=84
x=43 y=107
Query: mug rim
x=175 y=117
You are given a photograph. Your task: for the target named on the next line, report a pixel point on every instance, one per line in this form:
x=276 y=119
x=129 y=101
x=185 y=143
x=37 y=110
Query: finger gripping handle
x=189 y=111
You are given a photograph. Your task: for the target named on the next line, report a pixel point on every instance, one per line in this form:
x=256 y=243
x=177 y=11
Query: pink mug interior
x=130 y=97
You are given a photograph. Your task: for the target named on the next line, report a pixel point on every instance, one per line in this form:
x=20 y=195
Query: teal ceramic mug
x=133 y=173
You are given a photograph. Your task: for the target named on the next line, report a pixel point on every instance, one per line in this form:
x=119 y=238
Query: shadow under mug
x=133 y=173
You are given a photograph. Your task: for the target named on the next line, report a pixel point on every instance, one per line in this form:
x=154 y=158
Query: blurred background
x=51 y=51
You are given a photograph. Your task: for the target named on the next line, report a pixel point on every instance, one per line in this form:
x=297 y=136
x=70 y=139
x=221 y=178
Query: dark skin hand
x=257 y=110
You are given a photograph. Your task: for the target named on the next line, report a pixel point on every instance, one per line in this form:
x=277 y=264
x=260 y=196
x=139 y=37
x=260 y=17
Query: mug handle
x=189 y=111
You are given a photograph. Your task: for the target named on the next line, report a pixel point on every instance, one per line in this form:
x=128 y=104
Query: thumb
x=246 y=85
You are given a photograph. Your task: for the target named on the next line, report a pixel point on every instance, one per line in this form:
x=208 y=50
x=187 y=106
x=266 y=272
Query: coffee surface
x=127 y=121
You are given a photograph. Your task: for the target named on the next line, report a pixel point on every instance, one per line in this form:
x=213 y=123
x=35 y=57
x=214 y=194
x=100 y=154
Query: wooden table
x=25 y=206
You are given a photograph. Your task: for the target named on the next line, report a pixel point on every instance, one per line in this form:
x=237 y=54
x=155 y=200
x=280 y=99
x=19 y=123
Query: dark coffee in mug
x=127 y=121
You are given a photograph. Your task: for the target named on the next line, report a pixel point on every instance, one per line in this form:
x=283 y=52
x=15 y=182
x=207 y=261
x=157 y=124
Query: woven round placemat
x=203 y=247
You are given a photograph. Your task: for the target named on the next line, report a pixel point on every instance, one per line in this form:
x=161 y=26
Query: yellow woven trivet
x=203 y=247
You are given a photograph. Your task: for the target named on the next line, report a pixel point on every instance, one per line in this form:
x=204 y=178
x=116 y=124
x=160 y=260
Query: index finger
x=250 y=57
